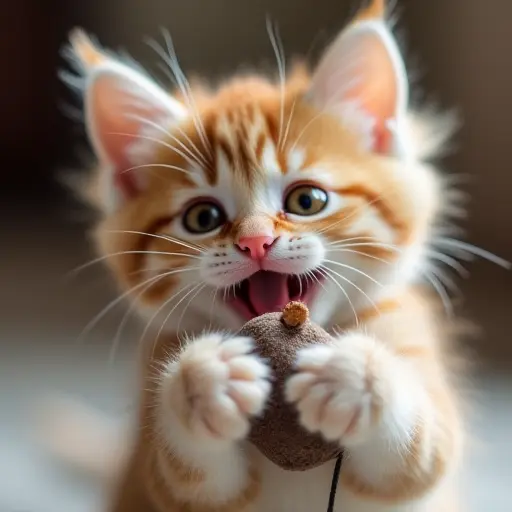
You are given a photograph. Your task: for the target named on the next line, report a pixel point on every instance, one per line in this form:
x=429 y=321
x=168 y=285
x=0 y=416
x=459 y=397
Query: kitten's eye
x=306 y=200
x=203 y=217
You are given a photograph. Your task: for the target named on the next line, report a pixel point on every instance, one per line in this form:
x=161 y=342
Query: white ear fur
x=122 y=107
x=362 y=78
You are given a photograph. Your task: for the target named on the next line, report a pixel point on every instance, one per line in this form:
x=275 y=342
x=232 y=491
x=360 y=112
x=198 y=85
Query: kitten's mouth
x=268 y=292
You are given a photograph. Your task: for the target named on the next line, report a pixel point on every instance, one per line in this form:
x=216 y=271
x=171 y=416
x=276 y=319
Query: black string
x=334 y=483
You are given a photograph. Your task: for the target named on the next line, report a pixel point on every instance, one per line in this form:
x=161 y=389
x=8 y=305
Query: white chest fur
x=308 y=491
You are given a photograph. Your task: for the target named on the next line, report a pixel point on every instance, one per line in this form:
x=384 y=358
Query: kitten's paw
x=216 y=386
x=338 y=389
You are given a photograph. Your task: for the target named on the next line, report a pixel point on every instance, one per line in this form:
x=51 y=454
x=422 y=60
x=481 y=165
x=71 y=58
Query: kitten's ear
x=120 y=104
x=362 y=77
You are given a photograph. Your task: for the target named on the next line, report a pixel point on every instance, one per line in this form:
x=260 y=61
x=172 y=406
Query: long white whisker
x=112 y=304
x=178 y=72
x=299 y=277
x=121 y=253
x=192 y=144
x=360 y=290
x=445 y=278
x=199 y=290
x=128 y=312
x=167 y=238
x=273 y=35
x=215 y=291
x=288 y=124
x=473 y=249
x=192 y=159
x=352 y=214
x=157 y=337
x=164 y=166
x=332 y=262
x=159 y=310
x=439 y=288
x=303 y=131
x=326 y=272
x=353 y=239
x=160 y=142
x=359 y=253
x=383 y=246
x=171 y=59
x=451 y=262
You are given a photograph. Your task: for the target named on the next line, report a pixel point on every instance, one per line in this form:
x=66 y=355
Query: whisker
x=364 y=244
x=326 y=272
x=360 y=254
x=303 y=131
x=300 y=285
x=157 y=337
x=441 y=291
x=352 y=214
x=196 y=160
x=126 y=316
x=215 y=291
x=160 y=142
x=451 y=262
x=171 y=59
x=164 y=166
x=332 y=262
x=355 y=286
x=473 y=249
x=288 y=124
x=120 y=253
x=445 y=278
x=353 y=239
x=275 y=40
x=178 y=72
x=168 y=238
x=199 y=290
x=112 y=304
x=159 y=310
x=193 y=145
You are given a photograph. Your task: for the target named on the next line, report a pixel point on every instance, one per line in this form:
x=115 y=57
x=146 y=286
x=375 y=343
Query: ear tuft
x=362 y=79
x=123 y=108
x=83 y=47
x=374 y=11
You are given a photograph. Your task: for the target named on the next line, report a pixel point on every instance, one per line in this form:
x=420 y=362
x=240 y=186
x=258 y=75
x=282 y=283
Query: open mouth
x=268 y=292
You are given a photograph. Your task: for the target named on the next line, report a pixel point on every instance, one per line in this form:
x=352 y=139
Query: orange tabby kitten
x=220 y=206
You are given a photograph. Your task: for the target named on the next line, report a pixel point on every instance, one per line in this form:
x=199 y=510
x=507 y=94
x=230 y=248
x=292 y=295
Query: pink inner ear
x=110 y=116
x=376 y=89
x=362 y=68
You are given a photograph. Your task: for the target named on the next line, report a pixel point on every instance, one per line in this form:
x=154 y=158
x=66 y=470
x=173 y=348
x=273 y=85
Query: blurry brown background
x=460 y=51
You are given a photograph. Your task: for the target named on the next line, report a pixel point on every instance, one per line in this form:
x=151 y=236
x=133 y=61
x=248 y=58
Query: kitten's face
x=256 y=216
x=229 y=204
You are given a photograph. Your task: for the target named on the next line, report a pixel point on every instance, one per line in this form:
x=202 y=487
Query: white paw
x=337 y=389
x=216 y=386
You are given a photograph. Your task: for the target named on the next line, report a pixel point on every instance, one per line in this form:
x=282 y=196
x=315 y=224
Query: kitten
x=222 y=205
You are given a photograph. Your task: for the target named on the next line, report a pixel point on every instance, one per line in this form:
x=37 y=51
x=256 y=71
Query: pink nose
x=256 y=246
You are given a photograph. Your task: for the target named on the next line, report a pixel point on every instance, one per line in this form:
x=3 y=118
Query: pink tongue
x=268 y=291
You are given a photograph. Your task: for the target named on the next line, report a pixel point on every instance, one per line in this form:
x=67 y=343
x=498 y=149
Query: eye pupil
x=305 y=201
x=205 y=218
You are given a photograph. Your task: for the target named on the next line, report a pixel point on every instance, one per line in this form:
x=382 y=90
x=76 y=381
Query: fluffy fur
x=384 y=390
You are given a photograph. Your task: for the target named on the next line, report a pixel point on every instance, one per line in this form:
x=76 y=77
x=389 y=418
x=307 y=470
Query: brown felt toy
x=277 y=433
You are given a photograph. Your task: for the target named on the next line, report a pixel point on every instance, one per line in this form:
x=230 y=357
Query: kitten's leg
x=391 y=410
x=205 y=400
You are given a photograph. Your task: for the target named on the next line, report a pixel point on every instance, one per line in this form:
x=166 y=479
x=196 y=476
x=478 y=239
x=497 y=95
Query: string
x=334 y=483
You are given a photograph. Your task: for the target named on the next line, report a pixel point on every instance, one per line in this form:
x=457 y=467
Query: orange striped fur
x=238 y=154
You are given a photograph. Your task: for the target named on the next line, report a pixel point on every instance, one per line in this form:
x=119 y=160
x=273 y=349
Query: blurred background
x=460 y=53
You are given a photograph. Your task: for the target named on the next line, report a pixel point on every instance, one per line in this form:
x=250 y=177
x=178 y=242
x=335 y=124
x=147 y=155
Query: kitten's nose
x=256 y=246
